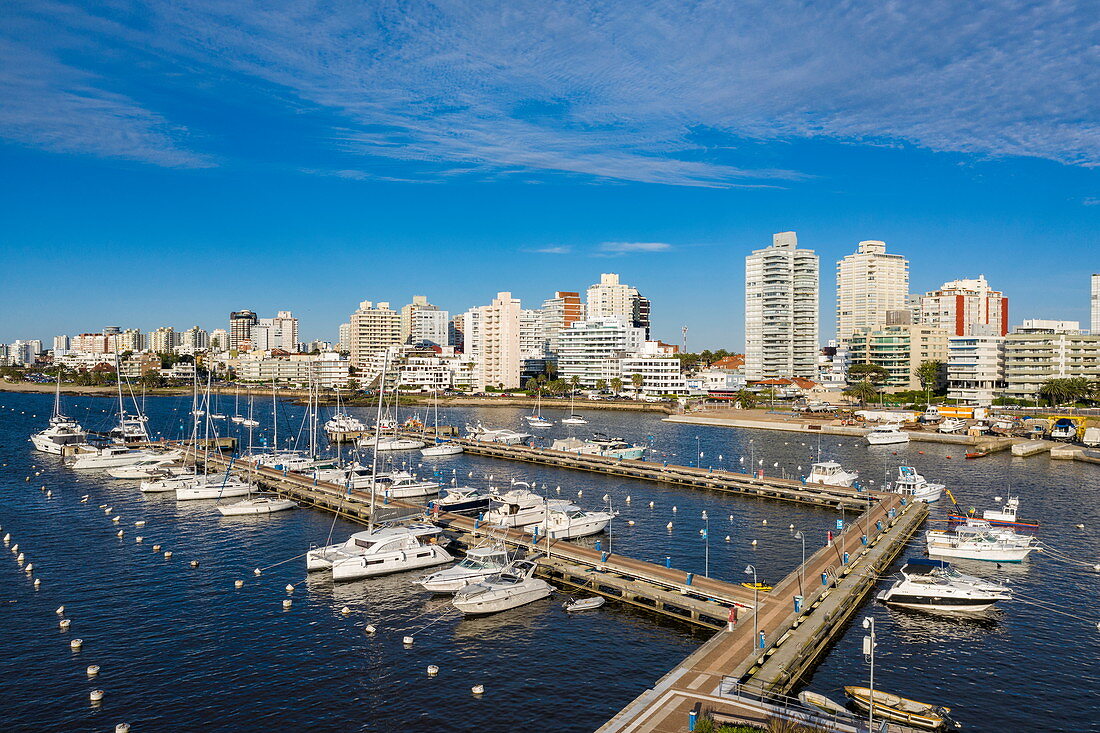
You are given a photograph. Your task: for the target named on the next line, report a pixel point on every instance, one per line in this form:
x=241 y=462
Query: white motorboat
x=911 y=484
x=257 y=505
x=479 y=563
x=147 y=468
x=1064 y=429
x=600 y=446
x=952 y=425
x=512 y=587
x=391 y=444
x=442 y=448
x=214 y=487
x=831 y=473
x=462 y=499
x=388 y=550
x=518 y=508
x=341 y=423
x=170 y=483
x=887 y=435
x=583 y=604
x=496 y=435
x=109 y=457
x=979 y=540
x=570 y=522
x=62 y=432
x=933 y=585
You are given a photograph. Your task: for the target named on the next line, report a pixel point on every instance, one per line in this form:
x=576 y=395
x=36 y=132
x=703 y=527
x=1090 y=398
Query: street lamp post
x=755 y=602
x=869 y=651
x=611 y=518
x=706 y=545
x=802 y=569
x=698 y=452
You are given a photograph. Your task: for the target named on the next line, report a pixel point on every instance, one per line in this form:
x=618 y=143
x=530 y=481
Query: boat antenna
x=377 y=438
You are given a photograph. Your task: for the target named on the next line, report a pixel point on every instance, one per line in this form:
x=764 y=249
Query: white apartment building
x=590 y=349
x=373 y=330
x=325 y=370
x=60 y=344
x=781 y=310
x=869 y=284
x=219 y=340
x=611 y=299
x=162 y=340
x=193 y=340
x=967 y=307
x=343 y=337
x=498 y=357
x=1096 y=304
x=975 y=368
x=423 y=323
x=24 y=352
x=129 y=340
x=1041 y=350
x=280 y=332
x=661 y=375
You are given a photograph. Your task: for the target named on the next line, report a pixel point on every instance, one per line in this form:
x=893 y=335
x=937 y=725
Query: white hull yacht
x=257 y=505
x=520 y=508
x=441 y=449
x=479 y=563
x=887 y=435
x=214 y=487
x=567 y=523
x=831 y=473
x=380 y=551
x=978 y=540
x=63 y=433
x=912 y=485
x=933 y=585
x=110 y=457
x=496 y=435
x=510 y=588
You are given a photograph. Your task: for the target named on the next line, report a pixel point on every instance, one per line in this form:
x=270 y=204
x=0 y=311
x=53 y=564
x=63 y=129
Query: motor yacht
x=479 y=563
x=518 y=508
x=155 y=466
x=257 y=505
x=340 y=424
x=109 y=457
x=496 y=435
x=831 y=473
x=570 y=522
x=606 y=447
x=952 y=425
x=513 y=586
x=934 y=585
x=163 y=485
x=979 y=540
x=382 y=443
x=462 y=500
x=388 y=550
x=887 y=435
x=912 y=485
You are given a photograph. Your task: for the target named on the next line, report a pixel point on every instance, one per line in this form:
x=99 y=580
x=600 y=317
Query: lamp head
x=868 y=622
x=750 y=570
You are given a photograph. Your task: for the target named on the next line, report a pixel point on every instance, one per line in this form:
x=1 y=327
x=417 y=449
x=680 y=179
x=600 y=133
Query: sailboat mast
x=377 y=439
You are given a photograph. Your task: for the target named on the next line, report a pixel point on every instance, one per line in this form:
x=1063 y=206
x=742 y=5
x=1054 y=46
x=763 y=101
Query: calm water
x=181 y=648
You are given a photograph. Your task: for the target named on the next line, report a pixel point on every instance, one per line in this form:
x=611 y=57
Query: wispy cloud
x=640 y=92
x=1091 y=201
x=628 y=247
x=554 y=250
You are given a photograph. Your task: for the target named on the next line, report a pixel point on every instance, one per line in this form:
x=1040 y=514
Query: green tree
x=531 y=384
x=863 y=391
x=601 y=385
x=353 y=385
x=747 y=399
x=574 y=382
x=874 y=373
x=616 y=385
x=637 y=380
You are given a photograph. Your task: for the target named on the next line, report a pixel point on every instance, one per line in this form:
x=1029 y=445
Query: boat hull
x=494 y=602
x=441 y=450
x=206 y=491
x=251 y=507
x=883 y=439
x=367 y=566
x=91 y=461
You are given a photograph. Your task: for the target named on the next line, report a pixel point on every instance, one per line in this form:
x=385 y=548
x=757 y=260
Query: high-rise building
x=1096 y=304
x=611 y=299
x=162 y=340
x=373 y=330
x=90 y=343
x=129 y=340
x=280 y=332
x=343 y=337
x=193 y=340
x=498 y=357
x=975 y=368
x=60 y=344
x=870 y=286
x=781 y=310
x=455 y=333
x=966 y=307
x=561 y=311
x=423 y=323
x=532 y=343
x=590 y=349
x=219 y=340
x=240 y=327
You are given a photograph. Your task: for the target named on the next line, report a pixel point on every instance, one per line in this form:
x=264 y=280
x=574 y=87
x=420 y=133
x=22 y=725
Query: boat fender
x=407 y=641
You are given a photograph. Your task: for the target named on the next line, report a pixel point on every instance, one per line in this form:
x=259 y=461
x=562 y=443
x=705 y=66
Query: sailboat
x=219 y=485
x=259 y=504
x=63 y=432
x=574 y=418
x=130 y=428
x=342 y=426
x=441 y=447
x=535 y=419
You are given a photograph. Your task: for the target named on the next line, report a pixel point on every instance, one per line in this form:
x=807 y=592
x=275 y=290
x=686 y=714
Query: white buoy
x=996 y=498
x=478 y=689
x=369 y=628
x=37 y=583
x=433 y=670
x=194 y=563
x=257 y=572
x=580 y=493
x=289 y=588
x=116 y=519
x=704 y=514
x=668 y=526
x=139 y=538
x=1080 y=526
x=728 y=539
x=19 y=558
x=96 y=695
x=791 y=528
x=345 y=610
x=60 y=611
x=7 y=537
x=754 y=543
x=287 y=603
x=156 y=548
x=765 y=522
x=64 y=624
x=238 y=583
x=407 y=641
x=651 y=505
x=122 y=728
x=628 y=498
x=49 y=494
x=119 y=533
x=75 y=644
x=1096 y=568
x=15 y=549
x=93 y=670
x=167 y=554
x=29 y=568
x=674 y=509
x=107 y=509
x=630 y=522
x=139 y=523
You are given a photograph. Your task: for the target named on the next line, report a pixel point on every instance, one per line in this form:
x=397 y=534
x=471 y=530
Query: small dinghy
x=977 y=454
x=583 y=604
x=901 y=709
x=761 y=587
x=815 y=700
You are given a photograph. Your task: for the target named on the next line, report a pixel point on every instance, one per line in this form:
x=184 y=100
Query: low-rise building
x=900 y=350
x=1038 y=351
x=326 y=370
x=588 y=348
x=975 y=368
x=651 y=375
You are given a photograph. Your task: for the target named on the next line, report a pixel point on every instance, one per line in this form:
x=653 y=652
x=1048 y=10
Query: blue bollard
x=599 y=545
x=892 y=513
x=879 y=525
x=763 y=643
x=480 y=516
x=863 y=539
x=845 y=558
x=477 y=523
x=536 y=533
x=692 y=716
x=904 y=501
x=689 y=577
x=668 y=561
x=798 y=604
x=604 y=556
x=825 y=579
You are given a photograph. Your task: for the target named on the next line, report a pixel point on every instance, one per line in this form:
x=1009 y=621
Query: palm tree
x=616 y=385
x=637 y=380
x=863 y=391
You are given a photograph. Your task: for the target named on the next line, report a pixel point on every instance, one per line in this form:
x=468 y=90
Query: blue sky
x=165 y=163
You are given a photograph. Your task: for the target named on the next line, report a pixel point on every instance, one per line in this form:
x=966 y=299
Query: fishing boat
x=900 y=709
x=514 y=586
x=831 y=473
x=977 y=454
x=979 y=540
x=912 y=485
x=887 y=435
x=1003 y=516
x=257 y=505
x=933 y=585
x=583 y=604
x=479 y=563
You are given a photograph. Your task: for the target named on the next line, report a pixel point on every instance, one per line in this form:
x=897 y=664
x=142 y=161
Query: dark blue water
x=181 y=648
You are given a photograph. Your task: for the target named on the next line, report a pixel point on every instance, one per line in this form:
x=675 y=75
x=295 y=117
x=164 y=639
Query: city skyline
x=221 y=150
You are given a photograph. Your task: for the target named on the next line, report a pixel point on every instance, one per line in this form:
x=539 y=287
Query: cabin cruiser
x=381 y=551
x=513 y=586
x=496 y=435
x=952 y=425
x=912 y=485
x=570 y=522
x=185 y=477
x=979 y=540
x=214 y=487
x=63 y=432
x=609 y=448
x=479 y=563
x=1063 y=429
x=110 y=456
x=395 y=484
x=931 y=416
x=342 y=423
x=156 y=466
x=462 y=499
x=887 y=435
x=130 y=429
x=257 y=505
x=1003 y=516
x=831 y=473
x=934 y=585
x=519 y=508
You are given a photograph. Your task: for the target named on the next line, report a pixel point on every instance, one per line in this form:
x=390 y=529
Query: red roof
x=734 y=361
